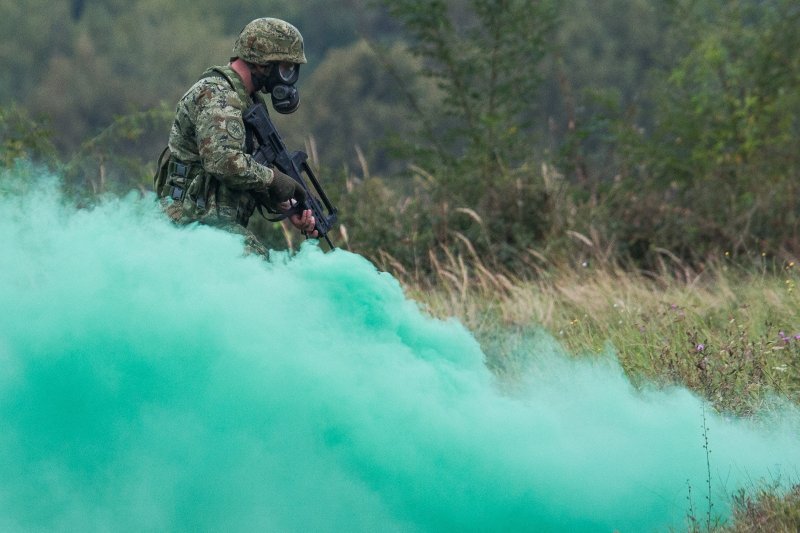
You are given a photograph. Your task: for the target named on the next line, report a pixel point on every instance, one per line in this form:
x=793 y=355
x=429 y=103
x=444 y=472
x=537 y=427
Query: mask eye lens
x=288 y=72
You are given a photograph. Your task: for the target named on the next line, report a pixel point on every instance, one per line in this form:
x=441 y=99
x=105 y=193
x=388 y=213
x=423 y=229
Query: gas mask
x=279 y=84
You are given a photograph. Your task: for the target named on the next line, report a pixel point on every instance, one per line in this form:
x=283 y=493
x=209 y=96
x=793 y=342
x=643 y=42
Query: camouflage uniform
x=210 y=176
x=207 y=146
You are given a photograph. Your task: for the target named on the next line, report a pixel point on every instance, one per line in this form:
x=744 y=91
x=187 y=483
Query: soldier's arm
x=220 y=139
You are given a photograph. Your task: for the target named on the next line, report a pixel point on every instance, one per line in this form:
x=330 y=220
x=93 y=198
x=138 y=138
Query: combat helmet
x=269 y=39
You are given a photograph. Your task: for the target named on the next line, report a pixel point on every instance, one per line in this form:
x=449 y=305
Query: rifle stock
x=272 y=151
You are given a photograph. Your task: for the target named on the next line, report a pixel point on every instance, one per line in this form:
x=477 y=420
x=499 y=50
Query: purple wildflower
x=700 y=347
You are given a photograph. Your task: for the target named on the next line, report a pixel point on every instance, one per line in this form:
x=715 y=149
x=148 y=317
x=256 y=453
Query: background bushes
x=513 y=132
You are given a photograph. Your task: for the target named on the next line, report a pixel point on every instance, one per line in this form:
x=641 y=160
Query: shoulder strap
x=229 y=75
x=237 y=85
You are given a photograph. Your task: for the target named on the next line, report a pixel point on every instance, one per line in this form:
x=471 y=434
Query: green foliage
x=484 y=57
x=493 y=127
x=605 y=54
x=32 y=32
x=729 y=108
x=23 y=138
x=476 y=141
x=139 y=61
x=112 y=162
x=718 y=169
x=347 y=103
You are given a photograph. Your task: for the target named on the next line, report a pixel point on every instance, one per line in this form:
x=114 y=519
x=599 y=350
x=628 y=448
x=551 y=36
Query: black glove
x=285 y=188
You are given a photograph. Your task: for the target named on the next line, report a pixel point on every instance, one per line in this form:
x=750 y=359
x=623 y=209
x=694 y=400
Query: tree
x=23 y=138
x=721 y=164
x=478 y=144
x=484 y=56
x=603 y=60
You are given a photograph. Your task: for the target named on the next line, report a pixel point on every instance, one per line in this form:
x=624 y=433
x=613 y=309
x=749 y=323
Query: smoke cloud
x=153 y=378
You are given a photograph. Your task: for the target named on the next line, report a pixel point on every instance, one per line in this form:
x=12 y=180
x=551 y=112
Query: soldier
x=210 y=176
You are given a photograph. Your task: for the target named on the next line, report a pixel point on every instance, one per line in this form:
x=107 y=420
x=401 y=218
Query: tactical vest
x=174 y=178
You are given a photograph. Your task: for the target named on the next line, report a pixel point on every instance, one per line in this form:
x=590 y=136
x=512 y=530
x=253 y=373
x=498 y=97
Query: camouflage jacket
x=209 y=134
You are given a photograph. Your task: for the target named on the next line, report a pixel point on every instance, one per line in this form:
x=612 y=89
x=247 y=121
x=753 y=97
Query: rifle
x=272 y=152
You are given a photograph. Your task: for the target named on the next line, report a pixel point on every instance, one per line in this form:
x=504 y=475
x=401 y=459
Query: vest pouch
x=198 y=194
x=162 y=173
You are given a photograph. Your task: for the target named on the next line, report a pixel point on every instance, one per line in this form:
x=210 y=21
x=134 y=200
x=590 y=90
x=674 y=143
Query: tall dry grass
x=730 y=333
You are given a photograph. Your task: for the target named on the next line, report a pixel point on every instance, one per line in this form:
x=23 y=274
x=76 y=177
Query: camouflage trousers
x=177 y=214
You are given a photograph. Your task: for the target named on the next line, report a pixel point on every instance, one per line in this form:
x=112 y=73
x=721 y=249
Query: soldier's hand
x=305 y=222
x=284 y=188
x=302 y=220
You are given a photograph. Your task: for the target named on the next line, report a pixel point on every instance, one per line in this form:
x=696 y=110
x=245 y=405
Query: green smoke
x=154 y=379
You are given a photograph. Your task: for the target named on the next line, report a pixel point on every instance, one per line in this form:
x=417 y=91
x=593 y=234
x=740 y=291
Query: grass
x=765 y=512
x=730 y=334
